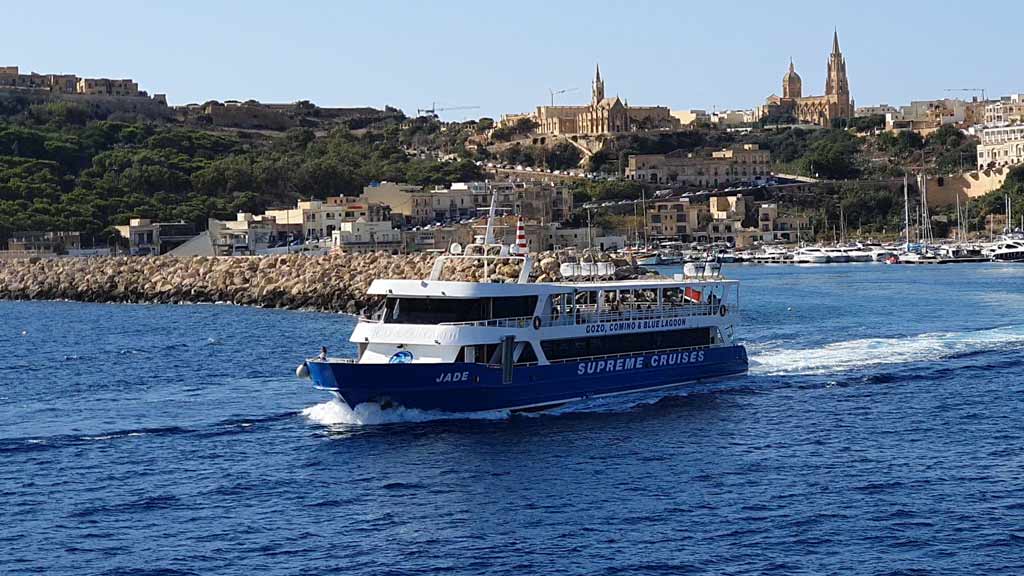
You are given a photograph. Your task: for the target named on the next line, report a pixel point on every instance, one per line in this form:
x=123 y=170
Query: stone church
x=820 y=110
x=602 y=116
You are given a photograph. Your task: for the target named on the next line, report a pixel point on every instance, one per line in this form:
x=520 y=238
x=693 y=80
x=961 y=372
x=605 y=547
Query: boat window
x=434 y=310
x=513 y=307
x=437 y=310
x=672 y=296
x=625 y=343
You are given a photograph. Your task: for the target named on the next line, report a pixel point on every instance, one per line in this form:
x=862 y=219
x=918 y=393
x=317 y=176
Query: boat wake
x=335 y=412
x=856 y=354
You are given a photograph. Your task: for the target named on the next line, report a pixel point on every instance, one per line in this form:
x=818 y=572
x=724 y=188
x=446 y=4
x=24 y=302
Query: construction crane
x=433 y=110
x=975 y=90
x=562 y=91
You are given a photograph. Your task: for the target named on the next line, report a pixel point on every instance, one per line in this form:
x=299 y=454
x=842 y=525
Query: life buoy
x=536 y=322
x=722 y=310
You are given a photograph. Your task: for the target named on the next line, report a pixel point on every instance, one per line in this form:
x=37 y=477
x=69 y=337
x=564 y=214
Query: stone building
x=740 y=163
x=43 y=243
x=676 y=219
x=414 y=204
x=602 y=116
x=534 y=201
x=691 y=117
x=148 y=238
x=1006 y=110
x=107 y=87
x=319 y=218
x=1001 y=146
x=235 y=114
x=12 y=78
x=721 y=220
x=820 y=110
x=363 y=236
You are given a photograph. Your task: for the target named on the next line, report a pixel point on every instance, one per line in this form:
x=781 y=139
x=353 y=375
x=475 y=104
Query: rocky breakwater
x=334 y=283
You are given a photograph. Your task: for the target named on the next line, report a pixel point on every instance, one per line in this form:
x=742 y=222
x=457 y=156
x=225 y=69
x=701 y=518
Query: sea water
x=880 y=431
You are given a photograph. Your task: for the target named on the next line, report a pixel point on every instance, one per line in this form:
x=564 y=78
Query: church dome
x=791 y=75
x=792 y=86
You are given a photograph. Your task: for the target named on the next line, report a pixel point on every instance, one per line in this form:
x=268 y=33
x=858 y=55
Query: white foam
x=335 y=412
x=854 y=354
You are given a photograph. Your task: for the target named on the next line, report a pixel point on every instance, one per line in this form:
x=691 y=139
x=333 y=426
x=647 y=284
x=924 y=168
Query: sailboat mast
x=959 y=230
x=643 y=199
x=906 y=211
x=489 y=234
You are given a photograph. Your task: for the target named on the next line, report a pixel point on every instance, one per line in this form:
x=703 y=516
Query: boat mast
x=906 y=211
x=925 y=231
x=967 y=221
x=489 y=234
x=643 y=199
x=959 y=231
x=842 y=223
x=1009 y=215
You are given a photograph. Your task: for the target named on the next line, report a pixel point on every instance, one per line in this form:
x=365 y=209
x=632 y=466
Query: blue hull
x=461 y=387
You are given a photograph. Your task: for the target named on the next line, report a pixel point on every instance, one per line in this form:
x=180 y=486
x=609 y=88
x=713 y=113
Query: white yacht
x=1006 y=251
x=836 y=255
x=810 y=255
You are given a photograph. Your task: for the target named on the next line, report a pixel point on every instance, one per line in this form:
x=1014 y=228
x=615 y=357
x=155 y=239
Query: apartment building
x=1001 y=146
x=705 y=168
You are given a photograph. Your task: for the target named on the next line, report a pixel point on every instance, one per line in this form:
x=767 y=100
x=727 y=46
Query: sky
x=505 y=57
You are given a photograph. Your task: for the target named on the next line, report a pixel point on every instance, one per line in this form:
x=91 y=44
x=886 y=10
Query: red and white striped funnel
x=521 y=247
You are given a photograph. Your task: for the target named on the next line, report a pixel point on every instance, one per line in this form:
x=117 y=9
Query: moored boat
x=810 y=255
x=1006 y=251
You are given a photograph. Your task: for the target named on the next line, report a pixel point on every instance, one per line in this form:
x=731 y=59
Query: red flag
x=693 y=295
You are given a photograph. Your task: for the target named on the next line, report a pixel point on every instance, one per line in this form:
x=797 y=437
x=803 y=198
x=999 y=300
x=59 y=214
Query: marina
x=1007 y=248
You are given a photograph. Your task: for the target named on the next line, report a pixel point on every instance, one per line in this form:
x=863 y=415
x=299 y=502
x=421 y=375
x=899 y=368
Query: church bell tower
x=837 y=84
x=598 y=90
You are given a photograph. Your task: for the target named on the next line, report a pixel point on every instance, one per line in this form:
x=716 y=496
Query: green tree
x=832 y=156
x=563 y=156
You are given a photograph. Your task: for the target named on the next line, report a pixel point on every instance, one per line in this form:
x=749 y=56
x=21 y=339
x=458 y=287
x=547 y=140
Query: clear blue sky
x=505 y=56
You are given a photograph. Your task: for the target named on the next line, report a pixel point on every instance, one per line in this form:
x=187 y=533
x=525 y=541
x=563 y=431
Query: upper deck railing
x=588 y=314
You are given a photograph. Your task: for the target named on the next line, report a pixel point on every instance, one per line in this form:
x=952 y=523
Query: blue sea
x=880 y=431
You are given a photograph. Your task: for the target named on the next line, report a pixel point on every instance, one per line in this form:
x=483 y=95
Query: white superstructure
x=439 y=321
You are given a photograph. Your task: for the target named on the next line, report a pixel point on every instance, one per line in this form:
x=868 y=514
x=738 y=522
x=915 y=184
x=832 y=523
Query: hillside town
x=604 y=175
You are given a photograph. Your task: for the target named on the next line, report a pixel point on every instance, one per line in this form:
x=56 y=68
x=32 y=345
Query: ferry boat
x=457 y=346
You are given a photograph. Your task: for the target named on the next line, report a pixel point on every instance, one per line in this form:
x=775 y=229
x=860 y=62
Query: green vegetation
x=993 y=203
x=60 y=169
x=520 y=128
x=861 y=124
x=561 y=156
x=607 y=190
x=945 y=151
